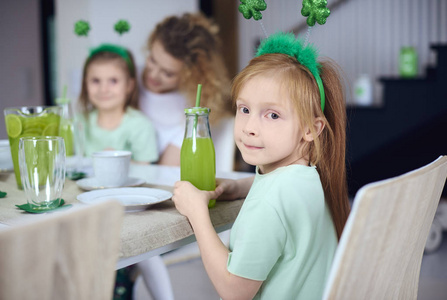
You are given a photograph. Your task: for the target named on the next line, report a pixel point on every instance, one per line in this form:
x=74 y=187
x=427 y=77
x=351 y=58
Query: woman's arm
x=171 y=156
x=193 y=204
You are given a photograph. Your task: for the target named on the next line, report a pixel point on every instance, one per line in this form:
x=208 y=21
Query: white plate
x=133 y=198
x=92 y=184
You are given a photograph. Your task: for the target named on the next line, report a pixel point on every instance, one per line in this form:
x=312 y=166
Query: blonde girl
x=183 y=52
x=290 y=123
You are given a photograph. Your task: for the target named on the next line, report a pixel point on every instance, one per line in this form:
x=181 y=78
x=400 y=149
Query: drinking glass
x=30 y=121
x=42 y=170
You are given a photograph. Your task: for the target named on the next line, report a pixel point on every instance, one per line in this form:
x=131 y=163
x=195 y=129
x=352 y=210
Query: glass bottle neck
x=197 y=126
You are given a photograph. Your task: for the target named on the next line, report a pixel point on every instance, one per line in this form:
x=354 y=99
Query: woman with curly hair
x=184 y=51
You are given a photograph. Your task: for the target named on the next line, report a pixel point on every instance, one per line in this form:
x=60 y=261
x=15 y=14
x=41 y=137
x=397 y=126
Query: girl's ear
x=318 y=126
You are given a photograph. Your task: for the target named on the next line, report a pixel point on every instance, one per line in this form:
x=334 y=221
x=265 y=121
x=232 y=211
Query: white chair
x=380 y=251
x=68 y=255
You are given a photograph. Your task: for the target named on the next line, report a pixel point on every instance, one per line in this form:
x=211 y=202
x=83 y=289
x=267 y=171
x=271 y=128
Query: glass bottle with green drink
x=29 y=121
x=71 y=131
x=197 y=155
x=66 y=129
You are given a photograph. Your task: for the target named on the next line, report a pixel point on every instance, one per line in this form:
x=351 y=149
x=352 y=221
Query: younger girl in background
x=109 y=98
x=290 y=123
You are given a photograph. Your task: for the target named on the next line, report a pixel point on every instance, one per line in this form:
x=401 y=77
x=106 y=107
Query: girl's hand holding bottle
x=190 y=201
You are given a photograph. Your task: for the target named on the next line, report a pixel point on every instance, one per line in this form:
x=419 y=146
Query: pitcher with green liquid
x=197 y=156
x=32 y=121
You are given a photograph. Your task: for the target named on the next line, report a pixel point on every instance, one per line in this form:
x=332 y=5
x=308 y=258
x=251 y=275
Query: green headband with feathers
x=122 y=26
x=121 y=51
x=286 y=43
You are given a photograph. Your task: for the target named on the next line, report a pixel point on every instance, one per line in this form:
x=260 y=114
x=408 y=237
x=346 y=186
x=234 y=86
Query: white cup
x=111 y=167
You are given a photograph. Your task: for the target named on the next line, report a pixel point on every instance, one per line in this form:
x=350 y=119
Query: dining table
x=155 y=230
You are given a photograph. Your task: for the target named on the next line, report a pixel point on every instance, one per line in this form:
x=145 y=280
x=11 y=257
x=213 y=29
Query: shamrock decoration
x=252 y=8
x=122 y=26
x=82 y=28
x=2 y=194
x=315 y=10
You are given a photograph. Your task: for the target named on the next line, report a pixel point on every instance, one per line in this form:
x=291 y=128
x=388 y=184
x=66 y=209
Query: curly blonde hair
x=193 y=39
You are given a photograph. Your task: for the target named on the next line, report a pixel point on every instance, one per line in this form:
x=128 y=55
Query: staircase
x=408 y=131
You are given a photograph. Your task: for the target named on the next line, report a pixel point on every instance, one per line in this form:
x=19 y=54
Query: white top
x=167 y=113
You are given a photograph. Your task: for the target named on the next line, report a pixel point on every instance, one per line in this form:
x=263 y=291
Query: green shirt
x=135 y=134
x=284 y=235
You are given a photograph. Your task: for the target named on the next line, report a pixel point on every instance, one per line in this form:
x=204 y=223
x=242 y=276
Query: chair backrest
x=71 y=255
x=224 y=144
x=380 y=251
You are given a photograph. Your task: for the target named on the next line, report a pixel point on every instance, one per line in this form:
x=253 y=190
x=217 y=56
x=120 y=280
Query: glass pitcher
x=30 y=121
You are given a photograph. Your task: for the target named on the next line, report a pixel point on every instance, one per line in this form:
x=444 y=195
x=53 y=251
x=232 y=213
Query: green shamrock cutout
x=315 y=10
x=252 y=8
x=3 y=194
x=122 y=26
x=82 y=28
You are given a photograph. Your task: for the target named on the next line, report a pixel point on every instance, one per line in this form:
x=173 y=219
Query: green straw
x=64 y=93
x=63 y=99
x=199 y=93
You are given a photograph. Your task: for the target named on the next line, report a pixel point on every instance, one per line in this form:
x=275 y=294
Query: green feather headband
x=286 y=43
x=121 y=51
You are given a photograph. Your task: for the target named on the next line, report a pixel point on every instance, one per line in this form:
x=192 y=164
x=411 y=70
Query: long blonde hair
x=193 y=39
x=327 y=150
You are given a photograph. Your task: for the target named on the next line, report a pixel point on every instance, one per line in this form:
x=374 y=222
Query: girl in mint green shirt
x=109 y=97
x=290 y=123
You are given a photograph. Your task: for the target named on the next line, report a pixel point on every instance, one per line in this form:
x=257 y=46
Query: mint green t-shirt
x=135 y=134
x=284 y=235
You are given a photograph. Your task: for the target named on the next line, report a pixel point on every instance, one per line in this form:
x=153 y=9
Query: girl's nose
x=103 y=87
x=154 y=73
x=251 y=126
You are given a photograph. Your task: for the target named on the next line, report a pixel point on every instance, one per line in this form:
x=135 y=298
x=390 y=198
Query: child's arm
x=193 y=204
x=229 y=189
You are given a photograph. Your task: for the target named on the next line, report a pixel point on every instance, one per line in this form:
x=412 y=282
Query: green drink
x=29 y=122
x=66 y=132
x=408 y=62
x=198 y=167
x=197 y=156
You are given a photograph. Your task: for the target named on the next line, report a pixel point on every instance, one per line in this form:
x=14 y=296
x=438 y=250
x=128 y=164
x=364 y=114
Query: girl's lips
x=153 y=82
x=252 y=147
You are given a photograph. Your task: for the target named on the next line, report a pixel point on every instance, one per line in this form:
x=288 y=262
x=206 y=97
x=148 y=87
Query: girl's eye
x=244 y=110
x=113 y=80
x=94 y=80
x=273 y=116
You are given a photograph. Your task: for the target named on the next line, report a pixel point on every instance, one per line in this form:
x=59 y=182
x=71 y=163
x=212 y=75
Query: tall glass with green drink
x=31 y=121
x=197 y=156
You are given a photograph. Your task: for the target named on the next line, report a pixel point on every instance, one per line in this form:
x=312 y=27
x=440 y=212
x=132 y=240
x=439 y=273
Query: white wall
x=72 y=50
x=21 y=61
x=362 y=36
